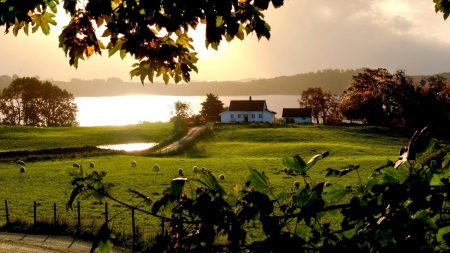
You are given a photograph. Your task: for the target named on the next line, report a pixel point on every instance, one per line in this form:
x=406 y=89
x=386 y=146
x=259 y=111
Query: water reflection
x=128 y=147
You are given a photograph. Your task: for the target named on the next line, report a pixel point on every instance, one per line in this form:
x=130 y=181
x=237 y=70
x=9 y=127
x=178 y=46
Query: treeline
x=333 y=81
x=30 y=102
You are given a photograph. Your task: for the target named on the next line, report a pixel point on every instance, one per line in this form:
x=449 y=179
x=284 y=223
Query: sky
x=306 y=36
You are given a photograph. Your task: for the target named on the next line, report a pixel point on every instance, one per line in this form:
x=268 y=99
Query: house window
x=260 y=116
x=253 y=116
x=232 y=116
x=239 y=116
x=303 y=118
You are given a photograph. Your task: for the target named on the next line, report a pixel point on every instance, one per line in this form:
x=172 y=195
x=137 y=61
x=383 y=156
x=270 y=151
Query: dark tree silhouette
x=211 y=107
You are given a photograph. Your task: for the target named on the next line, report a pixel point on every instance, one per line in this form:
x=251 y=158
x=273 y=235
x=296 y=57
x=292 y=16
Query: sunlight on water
x=126 y=110
x=128 y=147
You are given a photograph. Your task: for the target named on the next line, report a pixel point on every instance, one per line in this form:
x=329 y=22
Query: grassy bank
x=227 y=150
x=13 y=138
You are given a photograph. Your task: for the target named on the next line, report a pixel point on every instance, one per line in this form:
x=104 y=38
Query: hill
x=334 y=81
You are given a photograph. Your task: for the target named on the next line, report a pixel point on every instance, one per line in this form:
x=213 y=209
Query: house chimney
x=250 y=98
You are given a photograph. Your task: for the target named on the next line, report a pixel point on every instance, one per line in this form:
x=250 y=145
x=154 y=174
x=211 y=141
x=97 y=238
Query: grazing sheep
x=327 y=184
x=22 y=169
x=221 y=177
x=203 y=169
x=286 y=170
x=91 y=165
x=76 y=165
x=296 y=184
x=156 y=167
x=133 y=163
x=20 y=162
x=180 y=171
x=195 y=169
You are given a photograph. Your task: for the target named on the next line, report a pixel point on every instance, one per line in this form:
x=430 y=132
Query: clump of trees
x=377 y=97
x=30 y=102
x=324 y=105
x=182 y=112
x=211 y=107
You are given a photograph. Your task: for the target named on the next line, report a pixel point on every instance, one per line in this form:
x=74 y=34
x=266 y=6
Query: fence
x=56 y=218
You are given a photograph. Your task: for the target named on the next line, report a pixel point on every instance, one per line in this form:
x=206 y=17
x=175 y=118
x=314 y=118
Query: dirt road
x=191 y=134
x=23 y=243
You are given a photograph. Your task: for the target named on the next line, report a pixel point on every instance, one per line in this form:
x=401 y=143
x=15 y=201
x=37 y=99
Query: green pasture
x=21 y=138
x=228 y=150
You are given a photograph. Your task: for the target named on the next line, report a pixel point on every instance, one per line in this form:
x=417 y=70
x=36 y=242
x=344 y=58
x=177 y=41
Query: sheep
x=195 y=169
x=20 y=162
x=203 y=169
x=327 y=184
x=180 y=171
x=22 y=169
x=133 y=163
x=221 y=177
x=296 y=184
x=76 y=165
x=286 y=170
x=156 y=167
x=91 y=165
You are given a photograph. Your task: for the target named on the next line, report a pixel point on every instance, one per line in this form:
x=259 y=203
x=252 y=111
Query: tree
x=211 y=107
x=318 y=100
x=30 y=102
x=182 y=112
x=155 y=33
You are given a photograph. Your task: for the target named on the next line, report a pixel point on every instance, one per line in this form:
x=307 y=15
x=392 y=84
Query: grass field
x=228 y=150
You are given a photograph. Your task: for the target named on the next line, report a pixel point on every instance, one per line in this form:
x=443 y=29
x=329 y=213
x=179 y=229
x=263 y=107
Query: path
x=191 y=135
x=25 y=243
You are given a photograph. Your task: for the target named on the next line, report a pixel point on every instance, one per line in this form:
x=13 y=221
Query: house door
x=245 y=118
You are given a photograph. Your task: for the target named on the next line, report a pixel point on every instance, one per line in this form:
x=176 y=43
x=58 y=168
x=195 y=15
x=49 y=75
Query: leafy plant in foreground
x=391 y=209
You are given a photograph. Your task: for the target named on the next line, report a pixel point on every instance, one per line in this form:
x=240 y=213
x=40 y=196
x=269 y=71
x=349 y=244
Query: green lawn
x=228 y=150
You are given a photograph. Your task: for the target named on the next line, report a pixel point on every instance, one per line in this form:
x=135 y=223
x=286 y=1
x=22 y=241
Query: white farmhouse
x=297 y=115
x=247 y=111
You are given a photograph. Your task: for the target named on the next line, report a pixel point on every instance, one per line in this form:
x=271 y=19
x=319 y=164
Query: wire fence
x=57 y=215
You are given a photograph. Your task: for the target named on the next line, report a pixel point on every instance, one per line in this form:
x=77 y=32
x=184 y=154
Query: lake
x=125 y=110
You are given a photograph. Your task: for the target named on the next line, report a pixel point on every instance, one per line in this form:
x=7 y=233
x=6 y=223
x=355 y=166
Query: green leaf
x=209 y=181
x=49 y=18
x=176 y=187
x=123 y=53
x=219 y=21
x=166 y=78
x=401 y=174
x=282 y=194
x=102 y=239
x=257 y=181
x=116 y=47
x=436 y=180
x=339 y=173
x=422 y=216
x=314 y=159
x=294 y=165
x=442 y=231
x=335 y=193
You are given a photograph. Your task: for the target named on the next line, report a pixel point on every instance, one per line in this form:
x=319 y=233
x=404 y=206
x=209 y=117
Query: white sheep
x=22 y=169
x=327 y=184
x=133 y=163
x=92 y=165
x=195 y=169
x=203 y=169
x=76 y=165
x=156 y=167
x=20 y=162
x=286 y=170
x=221 y=177
x=296 y=184
x=180 y=171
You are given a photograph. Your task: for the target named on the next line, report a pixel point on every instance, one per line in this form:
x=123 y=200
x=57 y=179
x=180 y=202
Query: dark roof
x=247 y=105
x=297 y=112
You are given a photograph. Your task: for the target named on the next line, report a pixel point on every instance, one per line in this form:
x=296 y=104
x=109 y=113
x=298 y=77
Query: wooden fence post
x=133 y=229
x=54 y=214
x=79 y=215
x=6 y=209
x=106 y=212
x=35 y=212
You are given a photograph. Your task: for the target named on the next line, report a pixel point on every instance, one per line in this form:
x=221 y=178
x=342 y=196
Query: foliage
x=30 y=102
x=318 y=100
x=211 y=107
x=388 y=210
x=182 y=111
x=155 y=33
x=377 y=97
